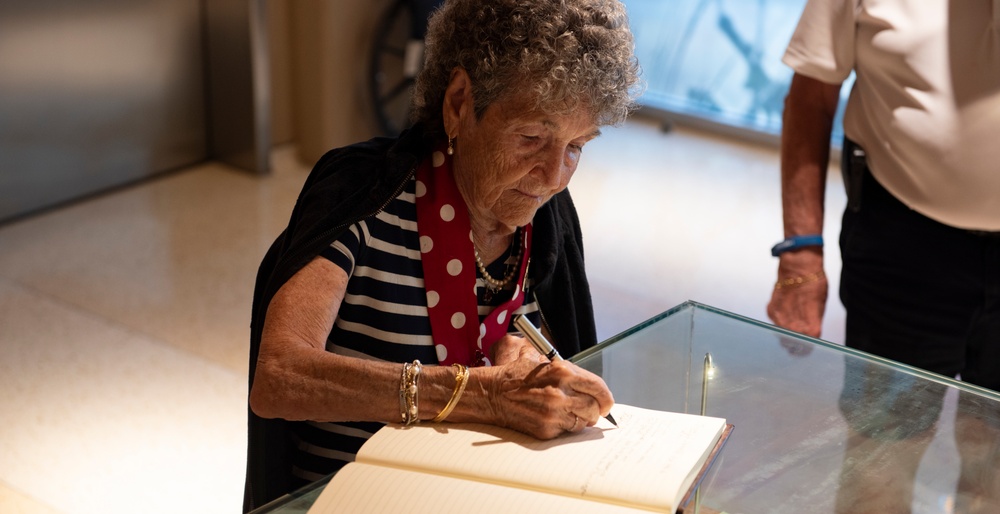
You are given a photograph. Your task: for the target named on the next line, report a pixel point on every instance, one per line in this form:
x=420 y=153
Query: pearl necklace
x=493 y=285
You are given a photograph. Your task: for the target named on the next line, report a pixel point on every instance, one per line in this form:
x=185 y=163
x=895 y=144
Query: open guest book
x=652 y=461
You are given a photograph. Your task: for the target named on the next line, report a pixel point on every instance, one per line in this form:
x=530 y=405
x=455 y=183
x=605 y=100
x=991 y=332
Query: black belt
x=983 y=233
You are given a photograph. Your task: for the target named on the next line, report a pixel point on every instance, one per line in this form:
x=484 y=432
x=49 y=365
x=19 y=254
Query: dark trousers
x=918 y=291
x=925 y=294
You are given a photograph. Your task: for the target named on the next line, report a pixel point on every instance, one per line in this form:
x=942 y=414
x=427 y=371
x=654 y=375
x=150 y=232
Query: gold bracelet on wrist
x=800 y=281
x=409 y=411
x=461 y=380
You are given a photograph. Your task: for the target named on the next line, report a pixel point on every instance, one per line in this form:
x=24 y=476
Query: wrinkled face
x=512 y=160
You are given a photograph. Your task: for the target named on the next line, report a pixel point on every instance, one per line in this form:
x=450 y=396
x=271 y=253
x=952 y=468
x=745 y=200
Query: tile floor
x=124 y=318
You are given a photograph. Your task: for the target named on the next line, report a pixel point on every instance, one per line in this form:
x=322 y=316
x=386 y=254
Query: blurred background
x=151 y=150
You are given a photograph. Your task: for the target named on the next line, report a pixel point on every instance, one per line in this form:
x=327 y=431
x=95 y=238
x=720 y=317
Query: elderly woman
x=389 y=297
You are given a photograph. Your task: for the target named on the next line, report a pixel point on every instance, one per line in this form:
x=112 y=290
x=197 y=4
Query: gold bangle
x=461 y=380
x=800 y=281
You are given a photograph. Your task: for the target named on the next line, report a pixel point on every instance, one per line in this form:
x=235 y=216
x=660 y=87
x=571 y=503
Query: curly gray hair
x=567 y=52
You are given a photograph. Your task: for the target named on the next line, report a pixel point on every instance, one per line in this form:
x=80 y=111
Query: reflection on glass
x=718 y=60
x=820 y=428
x=708 y=371
x=893 y=417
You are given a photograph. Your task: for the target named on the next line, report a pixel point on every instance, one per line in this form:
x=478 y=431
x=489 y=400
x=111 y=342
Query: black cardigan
x=352 y=183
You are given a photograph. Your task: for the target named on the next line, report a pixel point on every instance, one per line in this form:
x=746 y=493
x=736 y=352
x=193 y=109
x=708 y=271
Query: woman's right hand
x=525 y=392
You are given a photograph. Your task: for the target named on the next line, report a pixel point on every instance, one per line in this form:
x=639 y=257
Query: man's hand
x=800 y=307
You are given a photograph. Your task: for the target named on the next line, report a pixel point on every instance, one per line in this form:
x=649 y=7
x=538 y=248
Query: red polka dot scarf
x=447 y=257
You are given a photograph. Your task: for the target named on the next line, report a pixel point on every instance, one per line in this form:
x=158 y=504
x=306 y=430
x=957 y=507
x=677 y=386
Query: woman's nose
x=554 y=166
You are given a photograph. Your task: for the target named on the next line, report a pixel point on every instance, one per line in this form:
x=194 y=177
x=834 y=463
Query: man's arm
x=805 y=153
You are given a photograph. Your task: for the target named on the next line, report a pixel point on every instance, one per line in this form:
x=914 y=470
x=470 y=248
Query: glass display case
x=819 y=427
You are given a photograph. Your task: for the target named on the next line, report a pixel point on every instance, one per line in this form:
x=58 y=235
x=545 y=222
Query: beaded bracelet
x=408 y=410
x=461 y=380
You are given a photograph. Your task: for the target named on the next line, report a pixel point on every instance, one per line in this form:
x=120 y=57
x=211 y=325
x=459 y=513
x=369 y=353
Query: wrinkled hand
x=799 y=308
x=510 y=348
x=540 y=398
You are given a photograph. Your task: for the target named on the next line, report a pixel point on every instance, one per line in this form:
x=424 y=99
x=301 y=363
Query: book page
x=362 y=488
x=648 y=461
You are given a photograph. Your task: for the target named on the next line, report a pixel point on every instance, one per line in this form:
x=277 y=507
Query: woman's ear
x=457 y=101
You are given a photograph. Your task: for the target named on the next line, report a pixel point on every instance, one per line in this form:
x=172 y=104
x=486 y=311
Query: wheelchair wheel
x=396 y=59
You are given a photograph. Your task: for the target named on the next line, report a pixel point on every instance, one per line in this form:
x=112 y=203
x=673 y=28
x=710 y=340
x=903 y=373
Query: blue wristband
x=796 y=242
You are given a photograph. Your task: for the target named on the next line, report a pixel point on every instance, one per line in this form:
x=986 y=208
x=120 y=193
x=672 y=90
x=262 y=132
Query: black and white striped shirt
x=383 y=317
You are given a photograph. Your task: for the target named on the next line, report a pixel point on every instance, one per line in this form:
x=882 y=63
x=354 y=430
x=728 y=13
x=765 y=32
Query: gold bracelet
x=799 y=281
x=461 y=380
x=409 y=411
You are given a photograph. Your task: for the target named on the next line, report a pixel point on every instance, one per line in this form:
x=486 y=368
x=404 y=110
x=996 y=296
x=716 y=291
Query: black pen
x=543 y=346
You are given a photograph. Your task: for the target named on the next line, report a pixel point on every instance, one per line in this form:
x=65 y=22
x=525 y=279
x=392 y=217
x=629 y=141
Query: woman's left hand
x=510 y=348
x=544 y=399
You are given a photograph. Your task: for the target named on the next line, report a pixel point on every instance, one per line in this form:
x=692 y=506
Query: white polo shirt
x=926 y=103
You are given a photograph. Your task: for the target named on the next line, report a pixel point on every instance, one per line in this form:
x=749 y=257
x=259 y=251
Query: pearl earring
x=451 y=145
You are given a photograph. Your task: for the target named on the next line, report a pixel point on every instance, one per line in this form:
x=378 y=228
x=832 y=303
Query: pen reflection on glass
x=543 y=346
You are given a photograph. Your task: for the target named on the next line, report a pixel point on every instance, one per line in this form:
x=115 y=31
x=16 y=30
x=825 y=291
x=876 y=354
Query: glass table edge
x=278 y=504
x=603 y=345
x=691 y=305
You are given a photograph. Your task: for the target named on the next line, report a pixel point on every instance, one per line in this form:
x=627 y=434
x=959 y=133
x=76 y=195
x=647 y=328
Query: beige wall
x=319 y=72
x=280 y=51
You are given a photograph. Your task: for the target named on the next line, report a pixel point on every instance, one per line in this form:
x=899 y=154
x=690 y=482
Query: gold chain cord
x=800 y=281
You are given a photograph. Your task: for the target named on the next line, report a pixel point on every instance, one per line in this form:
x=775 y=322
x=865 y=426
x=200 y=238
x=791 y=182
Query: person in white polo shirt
x=920 y=239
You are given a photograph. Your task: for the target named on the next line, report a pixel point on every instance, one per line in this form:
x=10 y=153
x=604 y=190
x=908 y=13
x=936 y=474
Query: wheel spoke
x=394 y=51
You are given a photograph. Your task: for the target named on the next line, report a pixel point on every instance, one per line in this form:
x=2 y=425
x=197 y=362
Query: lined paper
x=650 y=460
x=361 y=488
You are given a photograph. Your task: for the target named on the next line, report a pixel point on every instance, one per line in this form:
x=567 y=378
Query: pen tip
x=611 y=418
